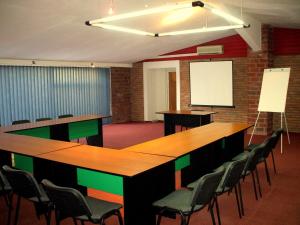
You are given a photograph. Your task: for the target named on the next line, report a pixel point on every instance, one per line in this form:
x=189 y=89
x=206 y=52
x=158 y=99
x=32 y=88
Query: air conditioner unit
x=210 y=50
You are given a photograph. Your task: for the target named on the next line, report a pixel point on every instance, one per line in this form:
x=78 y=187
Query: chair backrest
x=233 y=173
x=68 y=201
x=206 y=187
x=255 y=155
x=4 y=184
x=20 y=122
x=22 y=183
x=276 y=135
x=42 y=119
x=65 y=116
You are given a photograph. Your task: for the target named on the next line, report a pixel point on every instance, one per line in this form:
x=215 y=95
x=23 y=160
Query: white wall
x=158 y=93
x=156 y=87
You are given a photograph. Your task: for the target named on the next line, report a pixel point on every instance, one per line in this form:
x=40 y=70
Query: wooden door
x=172 y=90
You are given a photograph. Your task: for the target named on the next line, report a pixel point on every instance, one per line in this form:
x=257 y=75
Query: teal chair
x=230 y=181
x=187 y=201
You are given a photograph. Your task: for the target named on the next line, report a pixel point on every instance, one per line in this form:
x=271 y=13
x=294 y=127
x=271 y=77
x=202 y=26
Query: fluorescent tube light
x=201 y=30
x=145 y=12
x=123 y=29
x=102 y=22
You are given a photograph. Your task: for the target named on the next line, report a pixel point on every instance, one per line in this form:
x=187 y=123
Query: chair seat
x=99 y=208
x=178 y=200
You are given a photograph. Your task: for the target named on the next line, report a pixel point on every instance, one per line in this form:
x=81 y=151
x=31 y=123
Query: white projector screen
x=211 y=83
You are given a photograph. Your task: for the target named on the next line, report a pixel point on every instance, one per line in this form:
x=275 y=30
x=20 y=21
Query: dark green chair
x=20 y=122
x=25 y=186
x=42 y=119
x=186 y=201
x=275 y=138
x=69 y=202
x=230 y=181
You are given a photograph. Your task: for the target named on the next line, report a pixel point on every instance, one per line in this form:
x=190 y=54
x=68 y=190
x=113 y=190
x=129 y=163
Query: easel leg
x=287 y=130
x=281 y=134
x=253 y=129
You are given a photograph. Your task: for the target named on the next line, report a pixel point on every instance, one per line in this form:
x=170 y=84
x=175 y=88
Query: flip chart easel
x=273 y=95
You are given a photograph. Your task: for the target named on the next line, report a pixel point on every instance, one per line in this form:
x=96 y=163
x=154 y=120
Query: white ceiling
x=55 y=29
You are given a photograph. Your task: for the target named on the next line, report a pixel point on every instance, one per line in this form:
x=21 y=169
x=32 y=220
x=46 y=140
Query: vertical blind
x=35 y=92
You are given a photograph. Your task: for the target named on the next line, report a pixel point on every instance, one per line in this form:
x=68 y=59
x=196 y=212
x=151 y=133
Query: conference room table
x=63 y=129
x=198 y=150
x=138 y=175
x=187 y=118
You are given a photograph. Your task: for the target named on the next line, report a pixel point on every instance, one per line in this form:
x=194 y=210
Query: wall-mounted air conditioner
x=210 y=50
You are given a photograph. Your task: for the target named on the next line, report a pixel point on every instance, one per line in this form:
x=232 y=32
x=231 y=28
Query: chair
x=20 y=122
x=42 y=119
x=25 y=186
x=251 y=166
x=65 y=116
x=230 y=180
x=268 y=143
x=275 y=137
x=186 y=201
x=277 y=134
x=69 y=202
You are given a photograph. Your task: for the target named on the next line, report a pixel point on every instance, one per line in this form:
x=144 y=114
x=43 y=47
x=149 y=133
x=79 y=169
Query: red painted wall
x=286 y=41
x=234 y=46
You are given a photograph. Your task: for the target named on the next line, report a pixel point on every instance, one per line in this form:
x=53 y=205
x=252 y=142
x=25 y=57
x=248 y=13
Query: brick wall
x=293 y=97
x=247 y=79
x=137 y=92
x=120 y=94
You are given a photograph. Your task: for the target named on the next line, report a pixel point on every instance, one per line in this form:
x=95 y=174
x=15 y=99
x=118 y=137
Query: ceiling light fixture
x=103 y=21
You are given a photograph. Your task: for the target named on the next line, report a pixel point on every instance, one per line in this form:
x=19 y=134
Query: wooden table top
x=119 y=162
x=184 y=142
x=52 y=122
x=187 y=112
x=31 y=146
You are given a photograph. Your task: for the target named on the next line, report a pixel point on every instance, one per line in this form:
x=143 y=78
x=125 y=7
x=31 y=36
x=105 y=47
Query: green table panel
x=23 y=162
x=100 y=181
x=182 y=162
x=83 y=129
x=41 y=132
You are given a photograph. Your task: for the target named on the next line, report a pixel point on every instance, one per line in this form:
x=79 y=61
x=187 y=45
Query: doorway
x=172 y=91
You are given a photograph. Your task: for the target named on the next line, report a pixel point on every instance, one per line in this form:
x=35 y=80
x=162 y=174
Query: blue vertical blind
x=34 y=92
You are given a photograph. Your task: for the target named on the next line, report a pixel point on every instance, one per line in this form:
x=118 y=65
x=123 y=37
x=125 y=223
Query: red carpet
x=280 y=204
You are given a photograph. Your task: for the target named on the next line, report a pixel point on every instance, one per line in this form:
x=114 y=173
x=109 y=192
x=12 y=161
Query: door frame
x=160 y=65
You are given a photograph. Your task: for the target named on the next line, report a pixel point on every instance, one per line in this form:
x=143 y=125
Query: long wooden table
x=139 y=179
x=184 y=117
x=64 y=129
x=198 y=150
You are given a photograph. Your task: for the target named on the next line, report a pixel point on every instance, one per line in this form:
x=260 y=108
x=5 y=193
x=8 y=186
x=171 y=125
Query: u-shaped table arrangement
x=135 y=176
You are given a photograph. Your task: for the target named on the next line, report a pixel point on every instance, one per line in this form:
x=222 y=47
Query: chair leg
x=48 y=217
x=241 y=198
x=9 y=208
x=267 y=172
x=183 y=222
x=218 y=210
x=158 y=219
x=57 y=217
x=188 y=219
x=120 y=219
x=274 y=166
x=254 y=185
x=17 y=210
x=81 y=222
x=74 y=221
x=211 y=210
x=237 y=201
x=257 y=177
